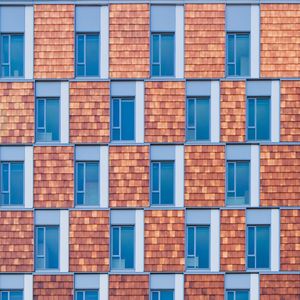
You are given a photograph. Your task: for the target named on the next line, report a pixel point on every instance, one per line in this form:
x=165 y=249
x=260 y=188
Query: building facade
x=149 y=149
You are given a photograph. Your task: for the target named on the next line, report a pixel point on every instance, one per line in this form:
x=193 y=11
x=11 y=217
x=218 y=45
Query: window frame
x=236 y=290
x=84 y=292
x=8 y=291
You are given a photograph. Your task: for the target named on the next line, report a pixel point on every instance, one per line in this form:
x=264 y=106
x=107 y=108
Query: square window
x=238 y=54
x=162 y=182
x=86 y=295
x=162 y=295
x=122 y=247
x=47 y=120
x=162 y=54
x=238 y=182
x=237 y=295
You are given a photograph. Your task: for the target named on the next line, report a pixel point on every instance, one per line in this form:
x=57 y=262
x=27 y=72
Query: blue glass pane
x=155 y=295
x=116 y=133
x=16 y=183
x=230 y=69
x=52 y=248
x=40 y=241
x=190 y=135
x=92 y=184
x=16 y=55
x=91 y=295
x=167 y=55
x=167 y=183
x=155 y=70
x=52 y=119
x=127 y=246
x=155 y=176
x=40 y=113
x=191 y=112
x=116 y=119
x=115 y=247
x=241 y=295
x=230 y=295
x=16 y=295
x=191 y=240
x=242 y=182
x=127 y=120
x=262 y=247
x=166 y=295
x=155 y=48
x=242 y=55
x=251 y=262
x=251 y=240
x=251 y=112
x=263 y=119
x=5 y=49
x=202 y=246
x=79 y=296
x=230 y=177
x=202 y=116
x=80 y=176
x=80 y=49
x=155 y=198
x=230 y=49
x=92 y=55
x=4 y=296
x=4 y=175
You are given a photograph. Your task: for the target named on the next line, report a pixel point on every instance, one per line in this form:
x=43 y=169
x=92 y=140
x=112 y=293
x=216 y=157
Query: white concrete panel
x=275 y=111
x=28 y=287
x=104 y=42
x=215 y=112
x=64 y=112
x=215 y=240
x=179 y=287
x=254 y=172
x=275 y=240
x=179 y=42
x=139 y=112
x=139 y=240
x=28 y=42
x=64 y=241
x=104 y=176
x=254 y=286
x=179 y=176
x=255 y=41
x=28 y=177
x=104 y=285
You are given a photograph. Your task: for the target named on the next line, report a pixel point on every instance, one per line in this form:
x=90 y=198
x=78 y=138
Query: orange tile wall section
x=52 y=287
x=89 y=112
x=164 y=240
x=203 y=287
x=280 y=40
x=279 y=175
x=233 y=111
x=53 y=177
x=164 y=111
x=16 y=112
x=16 y=242
x=204 y=40
x=133 y=287
x=129 y=176
x=129 y=35
x=232 y=234
x=89 y=241
x=290 y=111
x=54 y=41
x=279 y=286
x=204 y=176
x=290 y=240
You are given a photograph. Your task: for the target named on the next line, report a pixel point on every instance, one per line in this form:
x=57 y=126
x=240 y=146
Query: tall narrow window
x=198 y=119
x=238 y=54
x=258 y=119
x=258 y=247
x=12 y=183
x=162 y=54
x=87 y=54
x=12 y=55
x=198 y=240
x=122 y=247
x=238 y=182
x=47 y=120
x=86 y=295
x=11 y=295
x=237 y=295
x=123 y=119
x=162 y=295
x=162 y=182
x=47 y=251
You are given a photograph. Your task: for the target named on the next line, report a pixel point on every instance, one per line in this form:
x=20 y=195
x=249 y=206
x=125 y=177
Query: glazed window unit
x=11 y=295
x=86 y=295
x=237 y=295
x=162 y=295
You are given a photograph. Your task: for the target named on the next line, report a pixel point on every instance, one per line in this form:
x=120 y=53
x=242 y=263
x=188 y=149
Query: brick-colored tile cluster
x=233 y=111
x=16 y=112
x=279 y=286
x=89 y=241
x=52 y=287
x=204 y=40
x=280 y=40
x=89 y=112
x=290 y=111
x=129 y=176
x=53 y=177
x=129 y=40
x=204 y=175
x=290 y=240
x=133 y=287
x=54 y=41
x=164 y=112
x=164 y=240
x=203 y=287
x=279 y=175
x=16 y=242
x=232 y=235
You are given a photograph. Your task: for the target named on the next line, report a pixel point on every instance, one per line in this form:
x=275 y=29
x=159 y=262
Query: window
x=11 y=295
x=162 y=183
x=12 y=183
x=238 y=54
x=122 y=247
x=258 y=246
x=162 y=295
x=87 y=54
x=87 y=183
x=47 y=252
x=198 y=247
x=123 y=119
x=86 y=295
x=237 y=295
x=258 y=119
x=238 y=181
x=162 y=54
x=12 y=52
x=198 y=112
x=47 y=119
